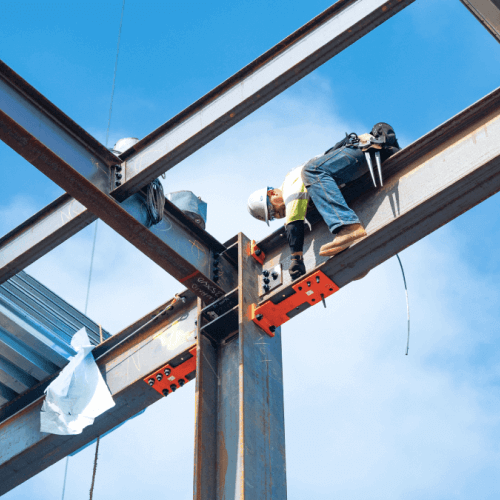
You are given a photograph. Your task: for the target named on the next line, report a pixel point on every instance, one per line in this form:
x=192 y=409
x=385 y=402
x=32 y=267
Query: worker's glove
x=297 y=267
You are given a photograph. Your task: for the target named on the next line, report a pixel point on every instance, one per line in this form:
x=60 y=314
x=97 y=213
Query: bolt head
x=259 y=317
x=159 y=376
x=151 y=382
x=275 y=275
x=265 y=273
x=167 y=372
x=118 y=183
x=258 y=252
x=165 y=392
x=118 y=176
x=173 y=387
x=272 y=329
x=181 y=382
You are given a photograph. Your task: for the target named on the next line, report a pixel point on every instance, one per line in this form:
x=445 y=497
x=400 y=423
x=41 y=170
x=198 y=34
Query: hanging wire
x=93 y=251
x=407 y=305
x=155 y=202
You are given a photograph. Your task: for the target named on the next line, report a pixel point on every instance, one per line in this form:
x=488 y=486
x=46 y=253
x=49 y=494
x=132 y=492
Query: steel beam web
x=287 y=62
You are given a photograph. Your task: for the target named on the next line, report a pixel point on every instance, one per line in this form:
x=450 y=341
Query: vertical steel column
x=240 y=426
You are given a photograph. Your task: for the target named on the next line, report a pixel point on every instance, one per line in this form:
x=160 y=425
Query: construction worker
x=320 y=180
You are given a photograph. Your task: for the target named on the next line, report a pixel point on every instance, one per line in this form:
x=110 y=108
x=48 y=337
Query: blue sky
x=368 y=422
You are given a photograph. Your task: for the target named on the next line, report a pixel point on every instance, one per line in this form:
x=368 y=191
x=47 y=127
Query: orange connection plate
x=308 y=290
x=254 y=250
x=167 y=377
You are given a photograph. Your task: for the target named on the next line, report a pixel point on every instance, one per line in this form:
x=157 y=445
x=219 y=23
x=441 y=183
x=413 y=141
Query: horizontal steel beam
x=426 y=185
x=332 y=31
x=487 y=12
x=287 y=62
x=124 y=360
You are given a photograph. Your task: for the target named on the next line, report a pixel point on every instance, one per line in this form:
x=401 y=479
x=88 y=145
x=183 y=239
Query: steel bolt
x=317 y=279
x=181 y=382
x=259 y=317
x=216 y=272
x=308 y=283
x=216 y=263
x=266 y=288
x=265 y=273
x=275 y=275
x=216 y=278
x=118 y=183
x=165 y=392
x=266 y=280
x=118 y=176
x=272 y=329
x=258 y=252
x=173 y=387
x=159 y=376
x=118 y=168
x=167 y=372
x=151 y=382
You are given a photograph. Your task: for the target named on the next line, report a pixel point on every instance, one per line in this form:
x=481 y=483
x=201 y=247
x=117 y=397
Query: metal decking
x=36 y=328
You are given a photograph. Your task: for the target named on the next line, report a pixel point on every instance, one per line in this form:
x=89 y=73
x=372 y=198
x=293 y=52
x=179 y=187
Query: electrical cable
x=407 y=304
x=93 y=249
x=155 y=202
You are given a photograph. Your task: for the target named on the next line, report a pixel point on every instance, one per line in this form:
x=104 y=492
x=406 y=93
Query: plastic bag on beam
x=78 y=395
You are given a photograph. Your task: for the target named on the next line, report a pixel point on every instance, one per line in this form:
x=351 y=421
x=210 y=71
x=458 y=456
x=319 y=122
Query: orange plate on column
x=309 y=290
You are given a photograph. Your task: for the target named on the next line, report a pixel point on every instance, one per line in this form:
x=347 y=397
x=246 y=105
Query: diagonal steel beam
x=287 y=62
x=124 y=361
x=81 y=167
x=429 y=183
x=487 y=12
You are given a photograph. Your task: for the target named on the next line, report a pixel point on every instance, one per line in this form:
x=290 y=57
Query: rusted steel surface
x=487 y=12
x=42 y=232
x=239 y=436
x=124 y=362
x=431 y=182
x=287 y=62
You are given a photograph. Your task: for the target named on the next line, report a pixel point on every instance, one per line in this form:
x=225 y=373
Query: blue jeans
x=322 y=177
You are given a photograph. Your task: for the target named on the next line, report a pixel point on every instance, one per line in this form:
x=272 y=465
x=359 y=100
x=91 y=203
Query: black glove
x=297 y=267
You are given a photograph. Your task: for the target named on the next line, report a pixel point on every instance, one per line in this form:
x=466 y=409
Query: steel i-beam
x=44 y=136
x=487 y=12
x=280 y=67
x=239 y=430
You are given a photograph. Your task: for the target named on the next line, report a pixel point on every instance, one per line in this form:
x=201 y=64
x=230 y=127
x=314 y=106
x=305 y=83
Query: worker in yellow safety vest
x=320 y=180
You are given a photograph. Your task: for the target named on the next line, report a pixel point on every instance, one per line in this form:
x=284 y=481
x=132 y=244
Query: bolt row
x=118 y=175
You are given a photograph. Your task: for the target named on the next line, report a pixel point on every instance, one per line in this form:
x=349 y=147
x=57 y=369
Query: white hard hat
x=257 y=205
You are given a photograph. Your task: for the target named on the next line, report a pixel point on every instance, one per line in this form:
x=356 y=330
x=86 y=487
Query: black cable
x=155 y=202
x=407 y=305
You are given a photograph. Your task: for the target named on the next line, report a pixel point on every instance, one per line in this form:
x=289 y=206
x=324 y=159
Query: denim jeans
x=322 y=177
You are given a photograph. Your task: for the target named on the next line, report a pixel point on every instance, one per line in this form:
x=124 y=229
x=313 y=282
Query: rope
x=93 y=251
x=407 y=305
x=95 y=467
x=155 y=202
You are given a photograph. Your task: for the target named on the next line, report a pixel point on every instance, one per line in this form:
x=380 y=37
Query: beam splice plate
x=310 y=290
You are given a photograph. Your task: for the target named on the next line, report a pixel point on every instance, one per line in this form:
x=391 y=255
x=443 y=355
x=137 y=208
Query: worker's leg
x=323 y=175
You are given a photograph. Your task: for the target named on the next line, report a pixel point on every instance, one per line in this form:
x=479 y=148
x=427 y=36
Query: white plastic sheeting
x=78 y=395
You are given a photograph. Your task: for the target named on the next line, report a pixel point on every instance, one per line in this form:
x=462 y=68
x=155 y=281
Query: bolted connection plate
x=174 y=374
x=308 y=292
x=270 y=279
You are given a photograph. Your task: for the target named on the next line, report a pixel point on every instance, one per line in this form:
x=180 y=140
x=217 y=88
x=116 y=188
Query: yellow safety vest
x=295 y=195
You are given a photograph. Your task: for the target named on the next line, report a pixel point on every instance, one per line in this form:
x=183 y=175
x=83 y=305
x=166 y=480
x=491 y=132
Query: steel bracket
x=257 y=253
x=174 y=374
x=308 y=292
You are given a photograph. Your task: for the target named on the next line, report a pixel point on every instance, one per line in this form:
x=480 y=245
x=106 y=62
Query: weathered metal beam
x=124 y=359
x=239 y=430
x=41 y=233
x=335 y=29
x=429 y=183
x=81 y=167
x=287 y=62
x=487 y=12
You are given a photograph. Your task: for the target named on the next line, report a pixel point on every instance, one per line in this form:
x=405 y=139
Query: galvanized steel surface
x=36 y=328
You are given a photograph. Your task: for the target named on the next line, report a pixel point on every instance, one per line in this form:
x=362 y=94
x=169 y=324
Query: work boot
x=332 y=251
x=346 y=236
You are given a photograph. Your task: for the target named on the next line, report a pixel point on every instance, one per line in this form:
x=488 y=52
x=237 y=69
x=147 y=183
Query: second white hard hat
x=257 y=205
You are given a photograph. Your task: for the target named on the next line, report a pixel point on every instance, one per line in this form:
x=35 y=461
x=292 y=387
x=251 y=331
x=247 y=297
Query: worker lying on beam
x=319 y=180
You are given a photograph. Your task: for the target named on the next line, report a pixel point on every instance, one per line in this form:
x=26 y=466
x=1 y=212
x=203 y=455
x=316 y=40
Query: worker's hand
x=297 y=267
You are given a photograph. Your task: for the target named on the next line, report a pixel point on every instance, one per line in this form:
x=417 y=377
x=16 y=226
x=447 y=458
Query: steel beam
x=124 y=359
x=429 y=183
x=287 y=62
x=239 y=430
x=487 y=12
x=34 y=129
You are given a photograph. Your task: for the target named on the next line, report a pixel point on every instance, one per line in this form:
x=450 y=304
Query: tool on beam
x=367 y=143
